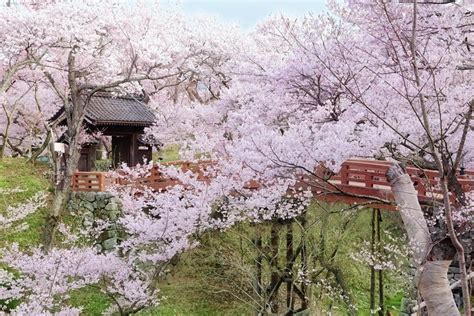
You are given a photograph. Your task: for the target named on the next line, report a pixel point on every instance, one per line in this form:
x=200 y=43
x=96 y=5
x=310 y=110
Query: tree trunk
x=289 y=257
x=41 y=149
x=74 y=109
x=434 y=287
x=380 y=272
x=304 y=262
x=52 y=221
x=63 y=190
x=275 y=277
x=431 y=276
x=258 y=272
x=458 y=246
x=372 y=270
x=5 y=136
x=4 y=144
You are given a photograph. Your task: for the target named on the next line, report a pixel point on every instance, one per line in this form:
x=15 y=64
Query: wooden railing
x=357 y=181
x=160 y=182
x=360 y=180
x=89 y=181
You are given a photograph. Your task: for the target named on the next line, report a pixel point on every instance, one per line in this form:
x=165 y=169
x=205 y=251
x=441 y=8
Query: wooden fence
x=357 y=181
x=89 y=181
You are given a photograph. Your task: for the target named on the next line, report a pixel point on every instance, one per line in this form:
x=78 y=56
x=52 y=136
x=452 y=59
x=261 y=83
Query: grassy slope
x=357 y=274
x=193 y=287
x=167 y=154
x=202 y=280
x=16 y=173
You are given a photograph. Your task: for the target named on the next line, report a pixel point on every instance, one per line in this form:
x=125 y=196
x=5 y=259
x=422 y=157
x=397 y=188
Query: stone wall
x=98 y=209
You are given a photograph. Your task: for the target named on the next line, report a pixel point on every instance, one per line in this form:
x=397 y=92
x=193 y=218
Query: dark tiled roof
x=108 y=110
x=103 y=110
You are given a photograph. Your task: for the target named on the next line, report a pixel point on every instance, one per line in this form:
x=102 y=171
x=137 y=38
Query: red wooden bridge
x=358 y=181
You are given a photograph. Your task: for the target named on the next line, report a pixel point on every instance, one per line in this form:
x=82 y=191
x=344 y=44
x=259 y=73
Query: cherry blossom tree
x=22 y=47
x=158 y=227
x=98 y=47
x=374 y=80
x=420 y=65
x=89 y=49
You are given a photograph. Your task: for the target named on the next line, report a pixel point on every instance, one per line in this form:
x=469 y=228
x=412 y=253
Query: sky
x=247 y=13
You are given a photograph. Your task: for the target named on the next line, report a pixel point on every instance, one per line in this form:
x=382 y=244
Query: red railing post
x=344 y=172
x=74 y=182
x=101 y=182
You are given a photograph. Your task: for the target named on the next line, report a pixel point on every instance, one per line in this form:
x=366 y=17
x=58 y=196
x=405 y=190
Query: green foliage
x=103 y=165
x=345 y=231
x=394 y=301
x=8 y=307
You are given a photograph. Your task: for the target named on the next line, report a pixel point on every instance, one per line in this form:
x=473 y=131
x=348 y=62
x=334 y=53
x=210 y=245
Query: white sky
x=247 y=13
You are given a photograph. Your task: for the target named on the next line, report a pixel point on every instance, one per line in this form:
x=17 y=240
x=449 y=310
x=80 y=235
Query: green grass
x=393 y=303
x=188 y=292
x=201 y=281
x=181 y=296
x=167 y=154
x=93 y=301
x=16 y=173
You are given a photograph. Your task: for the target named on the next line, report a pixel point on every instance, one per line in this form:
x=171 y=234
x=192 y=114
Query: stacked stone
x=95 y=208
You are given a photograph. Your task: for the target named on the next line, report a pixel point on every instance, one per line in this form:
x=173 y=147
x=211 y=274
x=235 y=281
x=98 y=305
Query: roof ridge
x=109 y=95
x=107 y=108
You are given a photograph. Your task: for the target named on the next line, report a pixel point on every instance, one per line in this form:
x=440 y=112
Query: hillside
x=15 y=173
x=211 y=279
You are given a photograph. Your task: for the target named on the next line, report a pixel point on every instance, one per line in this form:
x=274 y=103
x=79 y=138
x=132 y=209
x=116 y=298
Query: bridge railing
x=363 y=178
x=368 y=178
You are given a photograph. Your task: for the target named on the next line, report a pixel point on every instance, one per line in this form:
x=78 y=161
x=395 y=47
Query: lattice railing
x=362 y=178
x=89 y=181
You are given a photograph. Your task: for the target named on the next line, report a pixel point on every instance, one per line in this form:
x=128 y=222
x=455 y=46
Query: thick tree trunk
x=406 y=198
x=74 y=109
x=5 y=136
x=52 y=221
x=434 y=287
x=452 y=286
x=41 y=149
x=431 y=276
x=63 y=190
